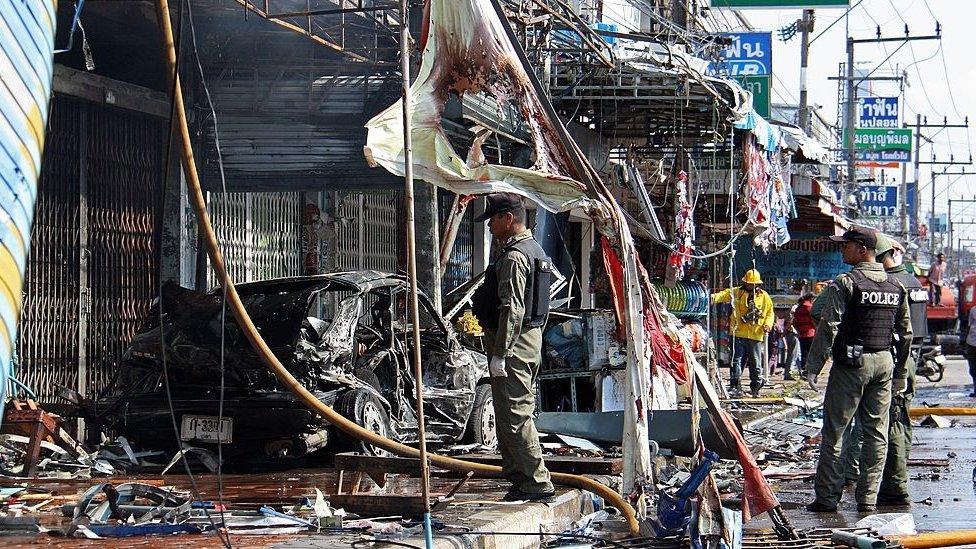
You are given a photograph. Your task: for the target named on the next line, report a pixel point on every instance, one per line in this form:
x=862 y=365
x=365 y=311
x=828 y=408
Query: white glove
x=812 y=381
x=899 y=386
x=496 y=367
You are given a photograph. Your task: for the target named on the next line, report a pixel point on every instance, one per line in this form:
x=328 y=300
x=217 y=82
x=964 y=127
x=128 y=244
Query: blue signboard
x=877 y=112
x=810 y=257
x=879 y=200
x=749 y=54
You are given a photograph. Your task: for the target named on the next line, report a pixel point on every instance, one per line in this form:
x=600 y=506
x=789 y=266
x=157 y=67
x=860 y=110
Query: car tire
x=366 y=410
x=481 y=424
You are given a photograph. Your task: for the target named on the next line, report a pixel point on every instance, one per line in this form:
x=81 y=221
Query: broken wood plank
x=930 y=462
x=378 y=465
x=380 y=505
x=575 y=465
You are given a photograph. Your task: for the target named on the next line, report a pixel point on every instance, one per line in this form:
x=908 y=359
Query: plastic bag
x=889 y=524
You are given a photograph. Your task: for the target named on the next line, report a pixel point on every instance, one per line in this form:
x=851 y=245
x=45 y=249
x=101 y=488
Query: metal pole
x=851 y=127
x=412 y=266
x=949 y=219
x=807 y=24
x=931 y=219
x=916 y=211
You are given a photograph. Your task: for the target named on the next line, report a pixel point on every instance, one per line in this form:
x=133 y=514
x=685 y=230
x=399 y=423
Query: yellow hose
x=937 y=411
x=949 y=538
x=272 y=362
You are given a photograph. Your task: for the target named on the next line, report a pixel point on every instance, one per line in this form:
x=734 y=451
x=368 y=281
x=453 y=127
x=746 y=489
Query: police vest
x=918 y=300
x=869 y=320
x=486 y=302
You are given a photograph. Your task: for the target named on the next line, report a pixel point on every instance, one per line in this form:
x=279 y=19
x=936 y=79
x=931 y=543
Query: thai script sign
x=879 y=200
x=749 y=54
x=882 y=145
x=877 y=112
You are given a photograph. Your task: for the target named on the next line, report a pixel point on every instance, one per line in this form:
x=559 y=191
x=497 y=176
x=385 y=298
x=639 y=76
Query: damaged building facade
x=279 y=126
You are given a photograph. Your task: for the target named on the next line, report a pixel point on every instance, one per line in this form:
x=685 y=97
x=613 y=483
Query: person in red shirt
x=804 y=326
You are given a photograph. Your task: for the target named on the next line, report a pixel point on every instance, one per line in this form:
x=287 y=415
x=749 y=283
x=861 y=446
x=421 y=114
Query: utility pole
x=806 y=27
x=852 y=83
x=949 y=214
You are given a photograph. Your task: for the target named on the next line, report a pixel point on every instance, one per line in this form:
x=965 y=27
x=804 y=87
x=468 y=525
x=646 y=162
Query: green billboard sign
x=773 y=4
x=759 y=85
x=882 y=144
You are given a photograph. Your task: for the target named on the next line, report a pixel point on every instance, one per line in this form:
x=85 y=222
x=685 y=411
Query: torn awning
x=462 y=54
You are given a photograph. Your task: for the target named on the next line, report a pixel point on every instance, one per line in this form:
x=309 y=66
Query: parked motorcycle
x=931 y=363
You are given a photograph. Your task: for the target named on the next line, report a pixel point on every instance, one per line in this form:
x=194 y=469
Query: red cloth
x=802 y=320
x=664 y=352
x=757 y=496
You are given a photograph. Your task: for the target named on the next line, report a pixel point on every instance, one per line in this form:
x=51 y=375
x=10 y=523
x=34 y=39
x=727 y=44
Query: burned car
x=344 y=336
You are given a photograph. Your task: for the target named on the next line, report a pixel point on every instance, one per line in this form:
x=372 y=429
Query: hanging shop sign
x=759 y=86
x=772 y=4
x=939 y=224
x=748 y=54
x=882 y=145
x=877 y=112
x=812 y=258
x=879 y=200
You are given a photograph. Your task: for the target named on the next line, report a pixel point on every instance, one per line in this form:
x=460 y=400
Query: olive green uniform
x=513 y=396
x=863 y=392
x=894 y=480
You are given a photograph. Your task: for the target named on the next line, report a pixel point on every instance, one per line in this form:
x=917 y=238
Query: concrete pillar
x=178 y=229
x=428 y=241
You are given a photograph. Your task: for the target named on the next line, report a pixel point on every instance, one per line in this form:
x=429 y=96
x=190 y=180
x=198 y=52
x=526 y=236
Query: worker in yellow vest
x=752 y=319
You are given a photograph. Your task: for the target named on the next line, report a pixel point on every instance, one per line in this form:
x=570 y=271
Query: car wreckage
x=345 y=336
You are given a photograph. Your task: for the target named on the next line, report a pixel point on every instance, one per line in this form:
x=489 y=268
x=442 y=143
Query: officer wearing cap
x=512 y=306
x=894 y=481
x=865 y=316
x=752 y=319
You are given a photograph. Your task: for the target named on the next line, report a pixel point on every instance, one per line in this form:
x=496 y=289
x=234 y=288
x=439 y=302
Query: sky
x=940 y=80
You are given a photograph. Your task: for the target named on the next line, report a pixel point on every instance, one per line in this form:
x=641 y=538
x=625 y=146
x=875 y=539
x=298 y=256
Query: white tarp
x=466 y=51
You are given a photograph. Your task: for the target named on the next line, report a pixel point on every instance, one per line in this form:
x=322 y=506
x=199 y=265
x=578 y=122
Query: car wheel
x=363 y=408
x=481 y=424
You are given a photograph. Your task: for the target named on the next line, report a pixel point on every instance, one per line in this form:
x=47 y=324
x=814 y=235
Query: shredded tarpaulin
x=665 y=351
x=757 y=495
x=684 y=233
x=465 y=50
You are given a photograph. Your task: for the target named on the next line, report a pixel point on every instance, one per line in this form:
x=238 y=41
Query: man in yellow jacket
x=752 y=319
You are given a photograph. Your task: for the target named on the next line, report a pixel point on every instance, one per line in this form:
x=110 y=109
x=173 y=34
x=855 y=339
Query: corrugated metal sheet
x=26 y=49
x=288 y=130
x=260 y=234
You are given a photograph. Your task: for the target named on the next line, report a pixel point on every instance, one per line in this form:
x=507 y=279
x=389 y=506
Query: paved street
x=944 y=497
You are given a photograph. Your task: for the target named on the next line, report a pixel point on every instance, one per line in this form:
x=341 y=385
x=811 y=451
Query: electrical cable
x=223 y=301
x=75 y=23
x=174 y=45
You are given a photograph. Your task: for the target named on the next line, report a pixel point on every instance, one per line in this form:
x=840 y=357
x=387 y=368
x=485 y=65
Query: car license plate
x=207 y=428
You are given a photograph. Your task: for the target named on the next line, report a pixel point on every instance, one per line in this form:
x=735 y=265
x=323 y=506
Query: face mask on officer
x=897 y=257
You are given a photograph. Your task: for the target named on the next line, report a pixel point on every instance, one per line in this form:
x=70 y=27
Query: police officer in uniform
x=865 y=316
x=512 y=306
x=894 y=481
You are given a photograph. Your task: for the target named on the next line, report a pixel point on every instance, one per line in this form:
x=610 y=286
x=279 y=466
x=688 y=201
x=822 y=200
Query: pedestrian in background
x=971 y=348
x=864 y=310
x=752 y=319
x=936 y=276
x=805 y=327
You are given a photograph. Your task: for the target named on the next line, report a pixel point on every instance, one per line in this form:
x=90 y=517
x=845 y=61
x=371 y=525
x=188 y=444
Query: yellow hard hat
x=752 y=277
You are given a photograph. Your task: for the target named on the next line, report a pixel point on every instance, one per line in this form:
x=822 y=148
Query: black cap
x=865 y=236
x=499 y=203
